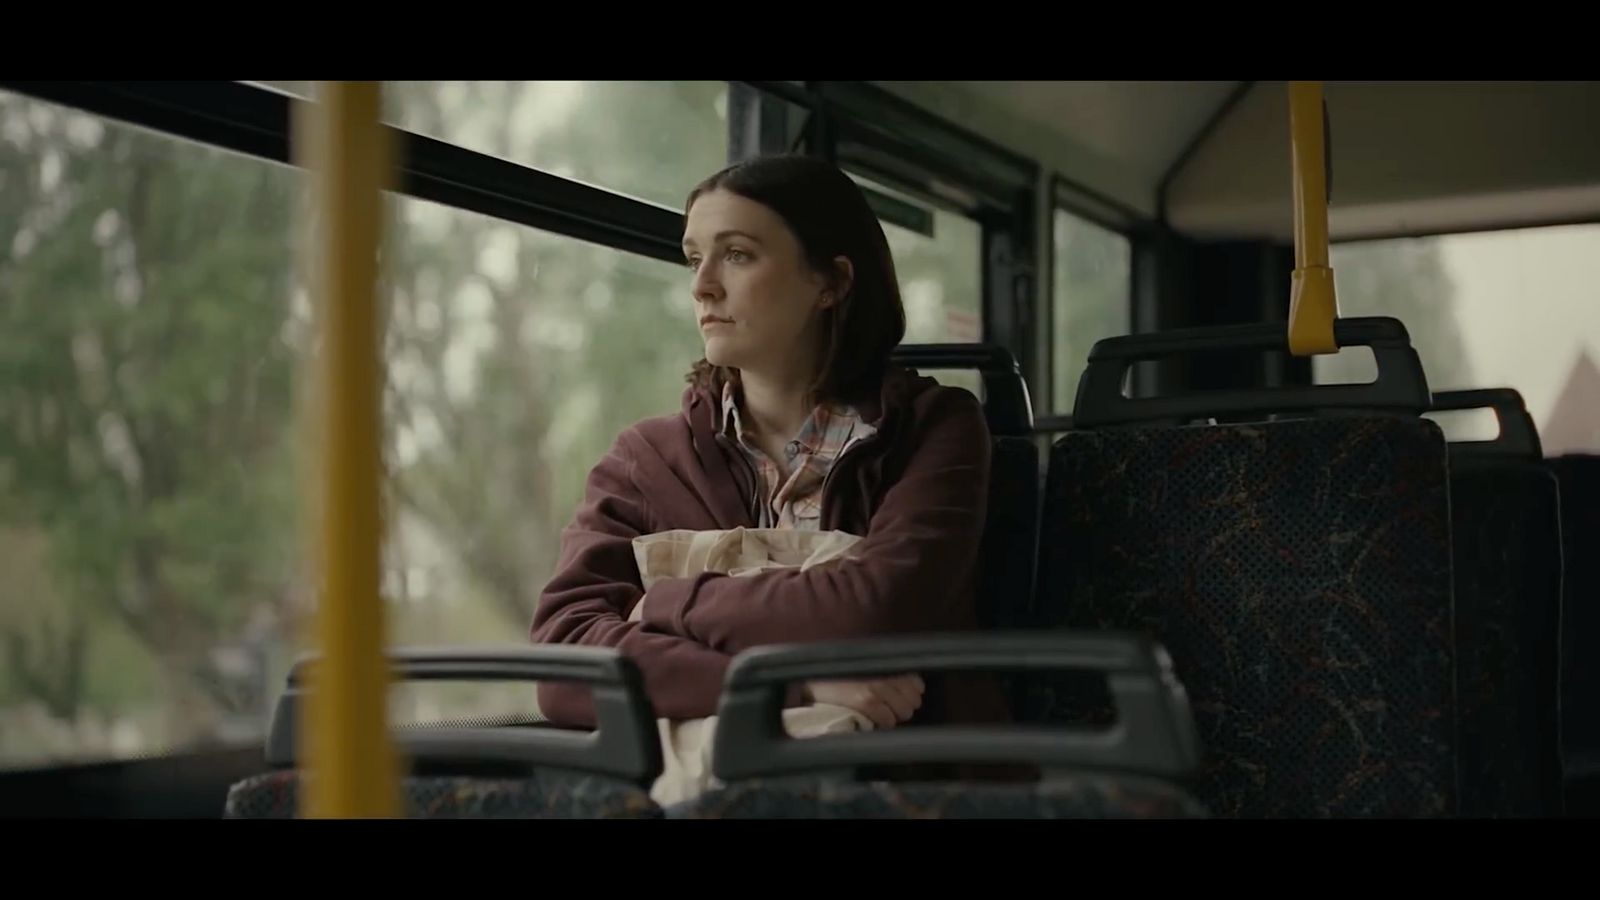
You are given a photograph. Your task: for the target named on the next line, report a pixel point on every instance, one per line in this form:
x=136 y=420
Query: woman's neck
x=777 y=408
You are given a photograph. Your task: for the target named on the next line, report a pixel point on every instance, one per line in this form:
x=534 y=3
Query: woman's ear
x=844 y=277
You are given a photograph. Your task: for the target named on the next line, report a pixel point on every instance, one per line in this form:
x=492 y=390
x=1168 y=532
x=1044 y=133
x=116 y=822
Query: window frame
x=1106 y=212
x=256 y=121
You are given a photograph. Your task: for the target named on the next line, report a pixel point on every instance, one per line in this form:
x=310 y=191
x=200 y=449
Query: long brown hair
x=829 y=215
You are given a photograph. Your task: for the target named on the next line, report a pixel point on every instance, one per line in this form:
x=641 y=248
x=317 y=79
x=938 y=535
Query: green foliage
x=145 y=418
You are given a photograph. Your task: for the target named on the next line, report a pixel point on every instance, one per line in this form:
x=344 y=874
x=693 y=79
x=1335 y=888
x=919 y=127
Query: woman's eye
x=735 y=255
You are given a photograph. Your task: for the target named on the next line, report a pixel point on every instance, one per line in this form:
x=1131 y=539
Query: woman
x=794 y=419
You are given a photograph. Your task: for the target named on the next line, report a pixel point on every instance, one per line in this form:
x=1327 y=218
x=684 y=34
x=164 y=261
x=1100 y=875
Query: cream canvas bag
x=738 y=552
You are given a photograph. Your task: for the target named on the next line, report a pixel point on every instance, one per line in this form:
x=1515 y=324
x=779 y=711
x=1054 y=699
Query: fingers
x=898 y=698
x=903 y=695
x=886 y=701
x=912 y=684
x=880 y=712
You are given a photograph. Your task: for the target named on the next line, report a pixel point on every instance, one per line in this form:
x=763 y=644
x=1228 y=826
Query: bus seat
x=1578 y=475
x=1008 y=552
x=473 y=771
x=1505 y=523
x=1295 y=562
x=1010 y=537
x=1127 y=772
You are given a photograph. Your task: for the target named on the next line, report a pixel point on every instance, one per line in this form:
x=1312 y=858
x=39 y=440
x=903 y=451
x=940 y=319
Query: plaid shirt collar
x=824 y=437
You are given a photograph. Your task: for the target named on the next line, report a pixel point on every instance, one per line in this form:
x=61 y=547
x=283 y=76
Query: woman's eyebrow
x=724 y=235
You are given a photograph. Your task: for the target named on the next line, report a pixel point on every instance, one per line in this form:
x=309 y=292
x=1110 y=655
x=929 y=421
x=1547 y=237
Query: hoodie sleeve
x=913 y=568
x=595 y=586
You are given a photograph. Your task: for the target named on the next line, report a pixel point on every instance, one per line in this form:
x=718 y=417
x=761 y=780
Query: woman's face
x=756 y=299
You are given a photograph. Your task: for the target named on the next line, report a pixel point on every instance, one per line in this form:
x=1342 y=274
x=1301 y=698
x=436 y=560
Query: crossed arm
x=908 y=575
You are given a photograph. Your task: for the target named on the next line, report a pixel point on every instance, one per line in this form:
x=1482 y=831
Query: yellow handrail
x=350 y=764
x=1312 y=304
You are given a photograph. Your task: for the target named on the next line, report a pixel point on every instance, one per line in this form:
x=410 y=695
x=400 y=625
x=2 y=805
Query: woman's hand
x=886 y=701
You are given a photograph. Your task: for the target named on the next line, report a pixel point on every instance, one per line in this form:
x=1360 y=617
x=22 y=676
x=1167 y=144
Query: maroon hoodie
x=916 y=491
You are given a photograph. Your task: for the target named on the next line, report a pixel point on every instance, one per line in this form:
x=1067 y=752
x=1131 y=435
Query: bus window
x=941 y=273
x=1493 y=309
x=939 y=264
x=1091 y=299
x=147 y=521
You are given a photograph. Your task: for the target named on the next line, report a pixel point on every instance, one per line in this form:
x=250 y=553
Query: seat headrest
x=1006 y=404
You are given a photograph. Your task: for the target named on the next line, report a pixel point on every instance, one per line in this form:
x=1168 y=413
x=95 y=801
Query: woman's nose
x=705 y=285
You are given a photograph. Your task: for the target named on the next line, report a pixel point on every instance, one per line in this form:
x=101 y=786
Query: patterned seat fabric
x=1508 y=593
x=1299 y=574
x=541 y=795
x=1080 y=797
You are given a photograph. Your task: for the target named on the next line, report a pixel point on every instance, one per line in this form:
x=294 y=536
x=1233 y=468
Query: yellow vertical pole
x=1312 y=304
x=351 y=767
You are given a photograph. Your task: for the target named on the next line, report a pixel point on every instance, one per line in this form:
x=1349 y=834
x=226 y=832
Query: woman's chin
x=719 y=353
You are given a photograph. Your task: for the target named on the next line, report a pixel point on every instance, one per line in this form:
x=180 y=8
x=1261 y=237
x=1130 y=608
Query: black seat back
x=1125 y=772
x=1010 y=537
x=1297 y=569
x=1505 y=522
x=1578 y=475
